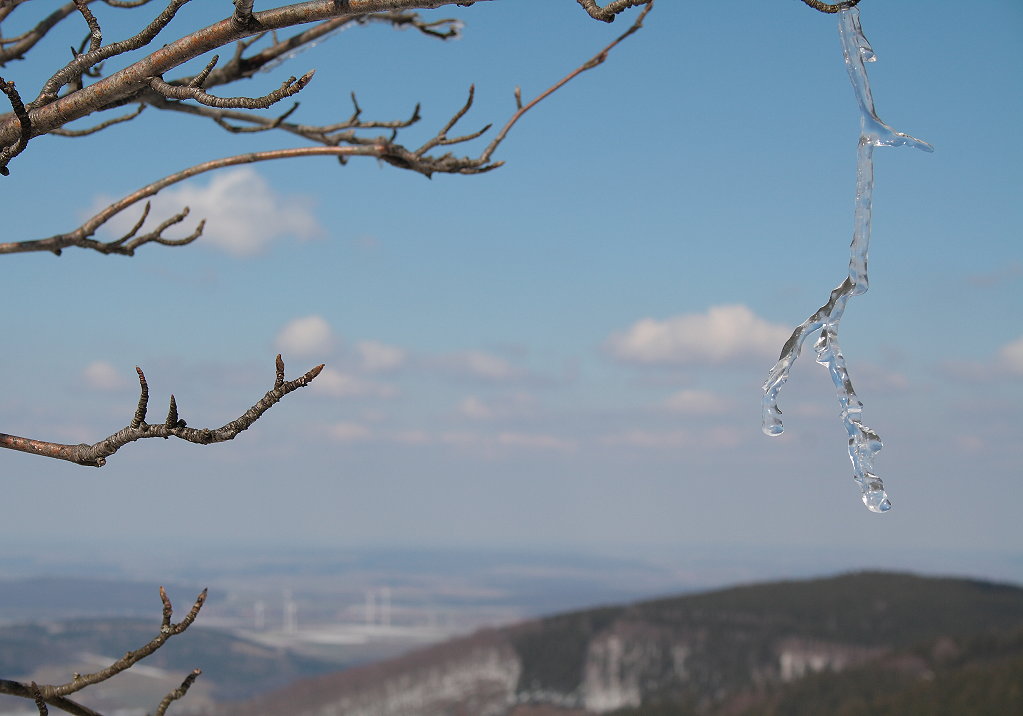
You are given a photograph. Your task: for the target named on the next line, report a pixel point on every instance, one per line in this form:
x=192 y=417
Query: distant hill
x=45 y=598
x=865 y=643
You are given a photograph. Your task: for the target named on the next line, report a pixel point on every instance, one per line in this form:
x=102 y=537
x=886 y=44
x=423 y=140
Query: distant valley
x=867 y=643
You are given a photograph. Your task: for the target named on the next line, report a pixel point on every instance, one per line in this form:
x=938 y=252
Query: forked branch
x=56 y=695
x=95 y=455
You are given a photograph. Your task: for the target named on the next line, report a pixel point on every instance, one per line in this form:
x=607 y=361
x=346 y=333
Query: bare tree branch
x=95 y=33
x=49 y=111
x=287 y=89
x=95 y=455
x=383 y=148
x=16 y=688
x=56 y=696
x=84 y=61
x=328 y=134
x=832 y=8
x=611 y=10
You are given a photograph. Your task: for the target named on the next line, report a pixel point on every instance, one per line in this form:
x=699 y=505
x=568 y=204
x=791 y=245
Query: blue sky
x=566 y=352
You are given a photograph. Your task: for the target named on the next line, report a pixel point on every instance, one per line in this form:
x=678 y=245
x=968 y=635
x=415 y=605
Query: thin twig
x=288 y=88
x=612 y=10
x=594 y=61
x=243 y=13
x=95 y=32
x=178 y=692
x=38 y=698
x=18 y=106
x=62 y=132
x=832 y=8
x=24 y=691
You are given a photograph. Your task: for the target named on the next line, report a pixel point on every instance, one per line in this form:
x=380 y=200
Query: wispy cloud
x=379 y=357
x=536 y=441
x=696 y=402
x=306 y=336
x=243 y=212
x=335 y=384
x=1011 y=356
x=505 y=406
x=722 y=334
x=1012 y=272
x=480 y=364
x=709 y=438
x=475 y=408
x=100 y=375
x=491 y=444
x=349 y=432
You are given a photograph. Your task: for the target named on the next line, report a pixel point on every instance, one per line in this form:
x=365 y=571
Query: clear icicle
x=864 y=443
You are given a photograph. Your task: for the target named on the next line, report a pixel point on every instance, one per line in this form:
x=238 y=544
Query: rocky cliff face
x=482 y=681
x=483 y=676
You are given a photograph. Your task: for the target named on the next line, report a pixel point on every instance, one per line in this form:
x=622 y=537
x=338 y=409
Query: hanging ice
x=863 y=442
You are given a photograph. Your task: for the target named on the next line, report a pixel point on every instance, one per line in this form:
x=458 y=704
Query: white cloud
x=536 y=441
x=473 y=407
x=877 y=378
x=336 y=384
x=1011 y=356
x=722 y=334
x=712 y=438
x=494 y=445
x=483 y=365
x=696 y=402
x=307 y=336
x=100 y=375
x=378 y=357
x=504 y=406
x=243 y=213
x=412 y=437
x=349 y=432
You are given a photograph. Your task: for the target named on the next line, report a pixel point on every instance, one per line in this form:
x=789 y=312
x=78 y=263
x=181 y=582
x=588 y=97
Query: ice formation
x=864 y=443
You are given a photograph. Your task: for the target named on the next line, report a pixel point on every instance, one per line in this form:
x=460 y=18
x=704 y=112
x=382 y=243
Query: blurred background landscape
x=542 y=391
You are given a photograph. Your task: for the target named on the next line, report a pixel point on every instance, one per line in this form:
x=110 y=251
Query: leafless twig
x=24 y=691
x=18 y=106
x=178 y=692
x=831 y=8
x=37 y=696
x=95 y=455
x=287 y=89
x=609 y=12
x=594 y=61
x=63 y=132
x=56 y=696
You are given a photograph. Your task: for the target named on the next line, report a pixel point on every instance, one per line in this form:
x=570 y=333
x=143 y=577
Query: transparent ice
x=864 y=443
